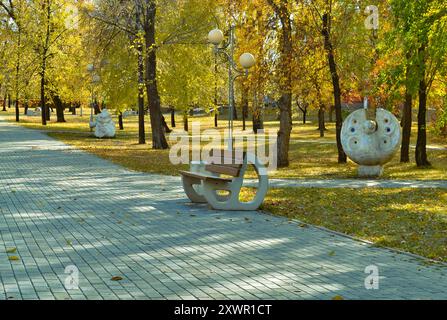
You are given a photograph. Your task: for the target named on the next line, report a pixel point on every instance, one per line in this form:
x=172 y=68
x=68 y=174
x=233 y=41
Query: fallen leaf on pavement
x=117 y=278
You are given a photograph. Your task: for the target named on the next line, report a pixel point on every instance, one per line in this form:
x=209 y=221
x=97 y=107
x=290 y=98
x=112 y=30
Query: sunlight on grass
x=311 y=157
x=413 y=220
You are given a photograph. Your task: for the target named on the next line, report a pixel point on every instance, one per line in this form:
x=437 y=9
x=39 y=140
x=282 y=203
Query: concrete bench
x=221 y=183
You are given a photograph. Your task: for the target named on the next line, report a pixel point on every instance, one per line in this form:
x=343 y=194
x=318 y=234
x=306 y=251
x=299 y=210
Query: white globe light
x=90 y=68
x=247 y=60
x=215 y=36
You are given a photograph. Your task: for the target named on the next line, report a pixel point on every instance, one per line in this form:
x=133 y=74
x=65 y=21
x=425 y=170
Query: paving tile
x=73 y=216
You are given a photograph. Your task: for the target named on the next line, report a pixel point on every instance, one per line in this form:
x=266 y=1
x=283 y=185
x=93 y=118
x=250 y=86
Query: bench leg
x=232 y=202
x=188 y=183
x=217 y=202
x=261 y=193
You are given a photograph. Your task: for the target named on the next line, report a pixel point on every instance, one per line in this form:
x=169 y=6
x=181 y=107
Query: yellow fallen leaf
x=337 y=298
x=13 y=258
x=11 y=250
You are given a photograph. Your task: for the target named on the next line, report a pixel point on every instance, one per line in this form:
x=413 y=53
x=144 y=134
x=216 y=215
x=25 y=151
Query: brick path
x=60 y=207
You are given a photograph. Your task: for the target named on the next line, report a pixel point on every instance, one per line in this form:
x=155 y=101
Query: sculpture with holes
x=371 y=143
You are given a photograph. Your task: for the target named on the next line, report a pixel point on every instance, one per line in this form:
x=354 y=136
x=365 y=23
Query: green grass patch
x=412 y=220
x=311 y=157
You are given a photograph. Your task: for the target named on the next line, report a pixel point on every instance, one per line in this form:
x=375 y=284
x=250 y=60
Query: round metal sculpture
x=371 y=143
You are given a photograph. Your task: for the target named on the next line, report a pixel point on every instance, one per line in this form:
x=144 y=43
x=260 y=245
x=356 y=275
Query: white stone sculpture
x=371 y=144
x=34 y=113
x=104 y=125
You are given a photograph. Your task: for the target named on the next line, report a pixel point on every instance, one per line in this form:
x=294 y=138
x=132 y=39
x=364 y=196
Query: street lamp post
x=247 y=61
x=94 y=80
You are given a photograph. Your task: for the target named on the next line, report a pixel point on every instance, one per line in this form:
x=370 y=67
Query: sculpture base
x=370 y=171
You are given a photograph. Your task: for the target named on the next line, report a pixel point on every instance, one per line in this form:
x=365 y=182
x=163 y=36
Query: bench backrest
x=230 y=166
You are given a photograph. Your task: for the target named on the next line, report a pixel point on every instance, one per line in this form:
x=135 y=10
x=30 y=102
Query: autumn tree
x=281 y=8
x=16 y=13
x=328 y=45
x=420 y=28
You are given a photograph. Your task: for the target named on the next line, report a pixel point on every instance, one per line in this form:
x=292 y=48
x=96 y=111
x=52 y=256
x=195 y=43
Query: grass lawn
x=311 y=157
x=412 y=220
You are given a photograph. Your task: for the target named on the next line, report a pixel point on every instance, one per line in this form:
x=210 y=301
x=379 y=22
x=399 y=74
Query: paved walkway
x=60 y=207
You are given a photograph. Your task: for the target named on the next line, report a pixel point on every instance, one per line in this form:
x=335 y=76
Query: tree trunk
x=141 y=109
x=216 y=119
x=285 y=83
x=407 y=117
x=342 y=158
x=165 y=125
x=304 y=111
x=43 y=105
x=407 y=120
x=244 y=115
x=120 y=121
x=19 y=42
x=285 y=119
x=158 y=134
x=9 y=101
x=43 y=81
x=73 y=109
x=25 y=107
x=16 y=103
x=257 y=123
x=59 y=108
x=173 y=124
x=48 y=112
x=257 y=114
x=421 y=146
x=185 y=122
x=4 y=103
x=321 y=121
x=235 y=115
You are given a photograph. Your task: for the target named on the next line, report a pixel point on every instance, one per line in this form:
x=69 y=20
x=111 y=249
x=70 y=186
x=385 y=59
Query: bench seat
x=204 y=177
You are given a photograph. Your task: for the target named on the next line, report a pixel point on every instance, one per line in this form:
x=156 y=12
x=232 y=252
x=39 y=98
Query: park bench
x=219 y=182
